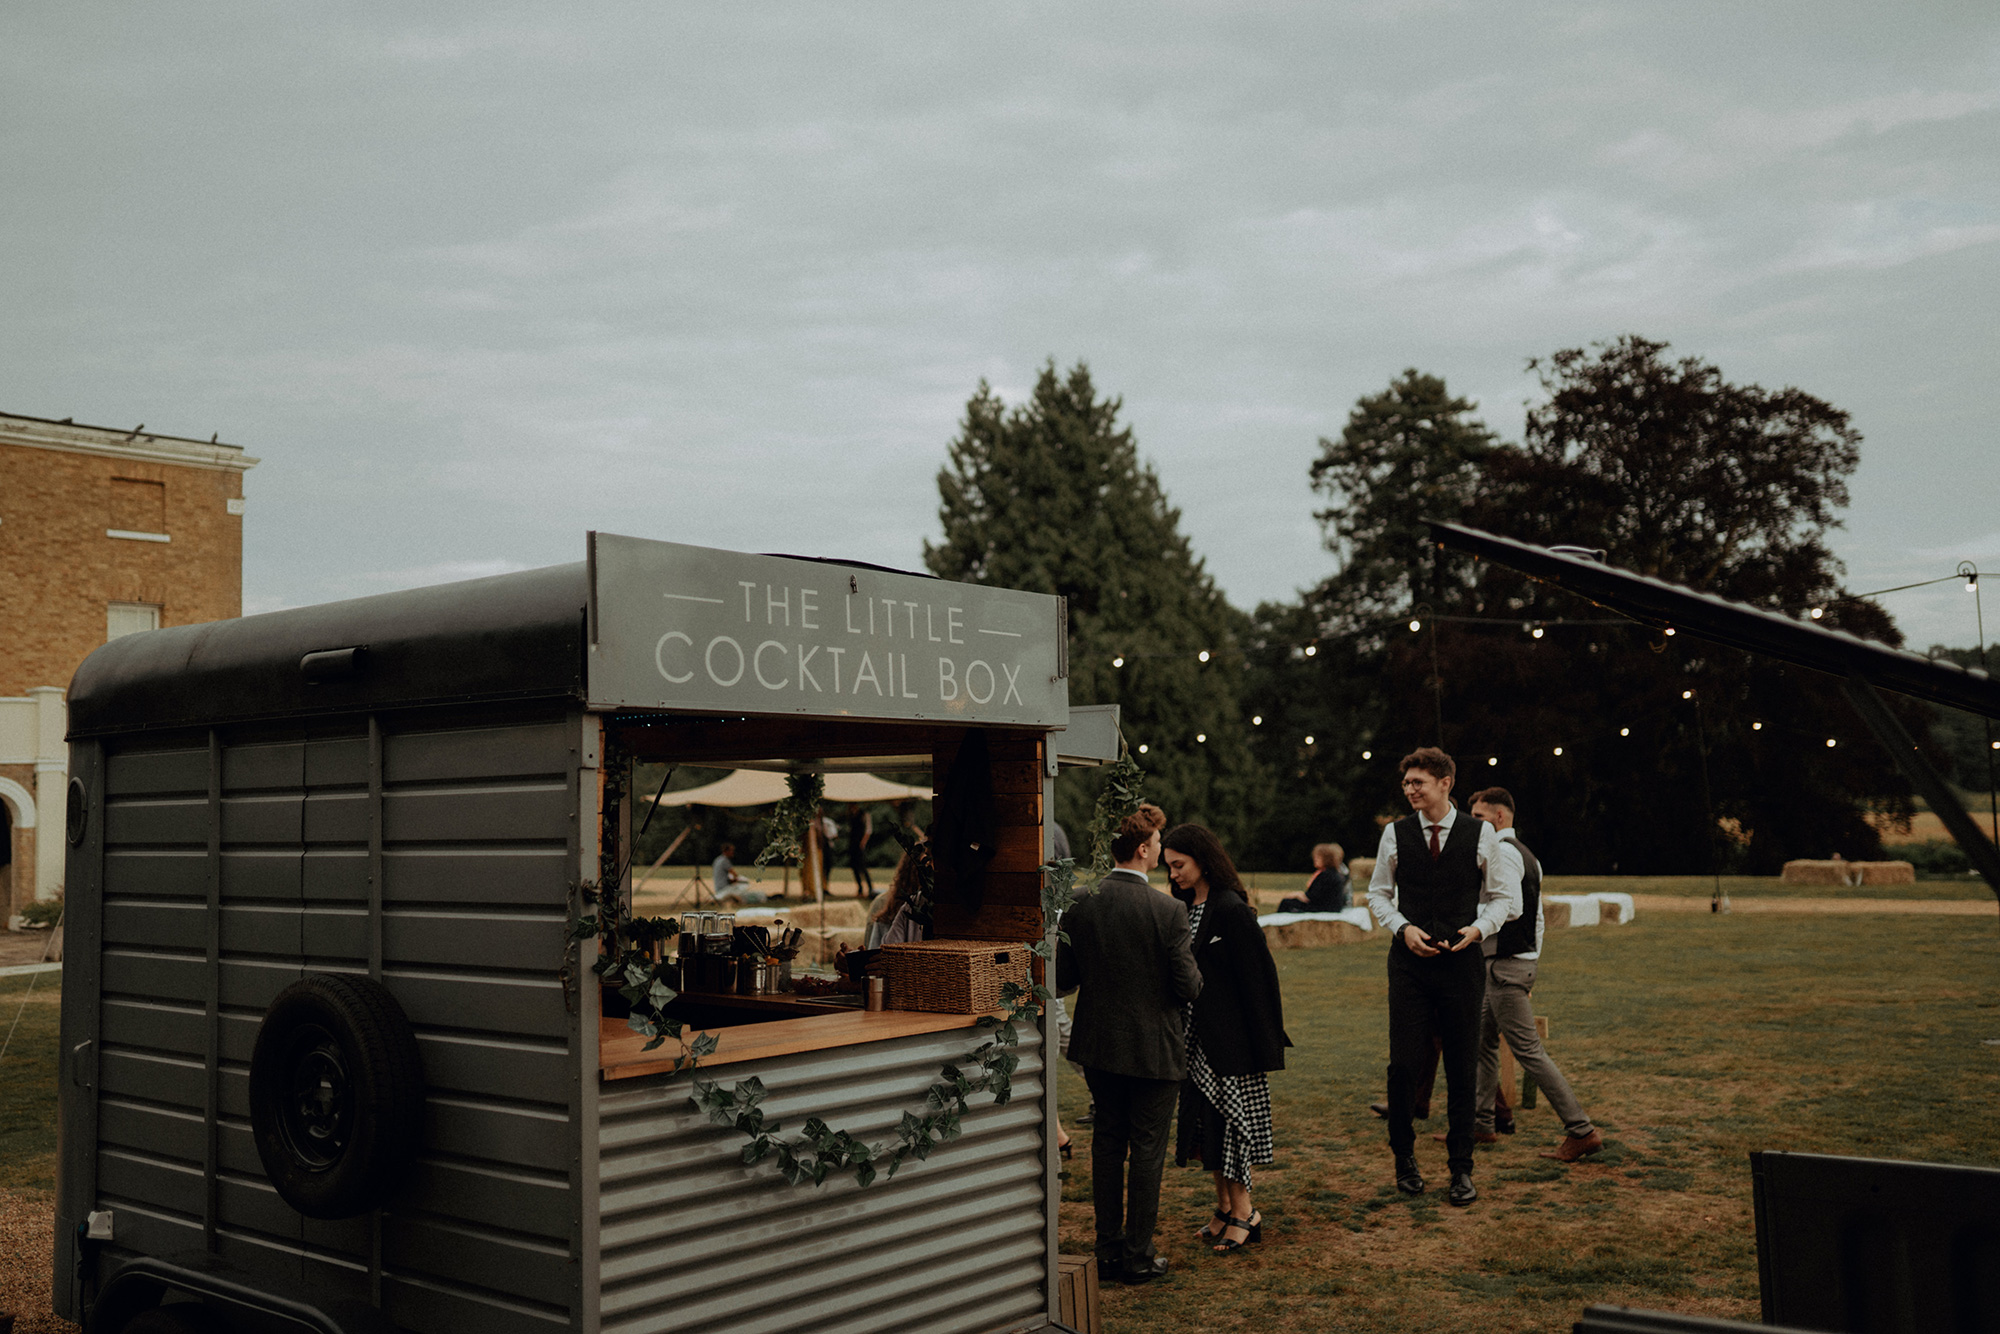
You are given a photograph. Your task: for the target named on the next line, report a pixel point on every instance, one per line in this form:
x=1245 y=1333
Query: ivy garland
x=626 y=960
x=820 y=1150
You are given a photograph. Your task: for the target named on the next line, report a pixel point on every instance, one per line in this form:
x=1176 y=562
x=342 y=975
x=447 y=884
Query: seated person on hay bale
x=1328 y=890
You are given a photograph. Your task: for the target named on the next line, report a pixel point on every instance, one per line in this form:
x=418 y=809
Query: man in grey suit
x=1128 y=949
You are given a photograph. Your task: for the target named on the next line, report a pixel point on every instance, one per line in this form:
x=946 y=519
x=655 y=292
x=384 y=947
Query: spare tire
x=336 y=1095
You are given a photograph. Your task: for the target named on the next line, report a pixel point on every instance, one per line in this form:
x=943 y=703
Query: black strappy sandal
x=1254 y=1229
x=1213 y=1237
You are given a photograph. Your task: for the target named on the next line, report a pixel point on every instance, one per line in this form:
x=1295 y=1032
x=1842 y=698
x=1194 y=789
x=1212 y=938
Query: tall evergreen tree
x=1051 y=495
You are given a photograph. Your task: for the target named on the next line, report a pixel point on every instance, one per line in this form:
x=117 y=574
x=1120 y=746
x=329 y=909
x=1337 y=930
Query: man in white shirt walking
x=1511 y=960
x=1440 y=887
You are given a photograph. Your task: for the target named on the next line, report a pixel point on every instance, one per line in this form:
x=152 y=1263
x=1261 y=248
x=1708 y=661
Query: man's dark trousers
x=1134 y=1117
x=1443 y=998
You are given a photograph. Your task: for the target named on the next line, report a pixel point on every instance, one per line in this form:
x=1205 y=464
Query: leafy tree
x=1052 y=496
x=1677 y=473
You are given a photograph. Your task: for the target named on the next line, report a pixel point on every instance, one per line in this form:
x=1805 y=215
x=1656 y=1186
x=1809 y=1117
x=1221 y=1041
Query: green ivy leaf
x=705 y=1044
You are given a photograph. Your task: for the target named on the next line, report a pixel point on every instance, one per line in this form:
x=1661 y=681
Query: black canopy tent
x=1863 y=665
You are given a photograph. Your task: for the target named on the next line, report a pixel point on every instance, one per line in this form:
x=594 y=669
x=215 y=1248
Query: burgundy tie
x=1434 y=841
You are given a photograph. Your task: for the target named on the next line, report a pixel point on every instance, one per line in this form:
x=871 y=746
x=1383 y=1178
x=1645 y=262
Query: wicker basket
x=952 y=976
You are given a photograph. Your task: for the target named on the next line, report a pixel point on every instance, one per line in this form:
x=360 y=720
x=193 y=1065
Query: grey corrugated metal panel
x=334 y=875
x=515 y=636
x=422 y=1302
x=934 y=1290
x=476 y=875
x=487 y=1131
x=270 y=873
x=163 y=822
x=266 y=818
x=520 y=940
x=501 y=1068
x=970 y=1218
x=158 y=772
x=145 y=1179
x=522 y=1267
x=529 y=813
x=267 y=765
x=499 y=1197
x=153 y=976
x=334 y=934
x=180 y=1030
x=336 y=817
x=530 y=1004
x=252 y=984
x=269 y=927
x=246 y=1202
x=164 y=1132
x=165 y=924
x=338 y=761
x=483 y=753
x=183 y=874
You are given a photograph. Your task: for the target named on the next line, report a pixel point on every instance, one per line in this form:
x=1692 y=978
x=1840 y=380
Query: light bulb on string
x=1311 y=649
x=1817 y=612
x=1202 y=656
x=1309 y=740
x=1369 y=754
x=1118 y=661
x=1670 y=632
x=1142 y=748
x=1256 y=720
x=1687 y=694
x=1492 y=760
x=1416 y=626
x=1756 y=727
x=1559 y=750
x=1624 y=731
x=1201 y=738
x=1831 y=743
x=1538 y=632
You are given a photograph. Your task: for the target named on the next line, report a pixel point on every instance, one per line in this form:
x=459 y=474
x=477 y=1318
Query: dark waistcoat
x=1438 y=894
x=1518 y=936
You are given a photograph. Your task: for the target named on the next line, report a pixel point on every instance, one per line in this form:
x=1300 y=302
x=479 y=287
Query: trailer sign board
x=700 y=630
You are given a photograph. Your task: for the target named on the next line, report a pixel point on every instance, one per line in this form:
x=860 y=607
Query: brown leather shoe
x=1380 y=1109
x=1576 y=1147
x=1478 y=1137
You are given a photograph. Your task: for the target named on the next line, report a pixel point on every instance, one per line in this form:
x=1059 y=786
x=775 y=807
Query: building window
x=129 y=618
x=138 y=509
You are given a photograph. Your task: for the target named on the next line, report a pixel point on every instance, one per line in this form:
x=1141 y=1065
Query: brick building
x=102 y=532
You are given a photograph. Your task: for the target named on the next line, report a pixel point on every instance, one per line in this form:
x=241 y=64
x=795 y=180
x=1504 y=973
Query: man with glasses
x=1440 y=887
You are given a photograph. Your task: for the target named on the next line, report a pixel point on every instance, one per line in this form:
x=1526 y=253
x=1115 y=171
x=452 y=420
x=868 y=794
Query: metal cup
x=878 y=993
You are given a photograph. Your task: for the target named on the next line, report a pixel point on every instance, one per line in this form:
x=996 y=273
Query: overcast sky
x=473 y=284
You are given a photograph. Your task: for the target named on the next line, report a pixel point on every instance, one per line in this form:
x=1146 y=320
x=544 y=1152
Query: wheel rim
x=316 y=1107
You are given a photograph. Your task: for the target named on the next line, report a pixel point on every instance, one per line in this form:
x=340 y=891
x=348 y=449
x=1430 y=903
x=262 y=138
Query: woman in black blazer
x=1236 y=1032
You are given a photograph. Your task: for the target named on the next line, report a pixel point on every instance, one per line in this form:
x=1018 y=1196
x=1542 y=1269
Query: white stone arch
x=20 y=801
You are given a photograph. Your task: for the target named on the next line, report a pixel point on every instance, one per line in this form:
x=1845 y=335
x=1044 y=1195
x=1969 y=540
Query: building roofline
x=71 y=437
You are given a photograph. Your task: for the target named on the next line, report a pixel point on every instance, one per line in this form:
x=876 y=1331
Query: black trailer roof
x=509 y=637
x=1657 y=602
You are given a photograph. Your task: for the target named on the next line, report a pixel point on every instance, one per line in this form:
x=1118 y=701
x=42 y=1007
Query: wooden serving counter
x=619 y=1054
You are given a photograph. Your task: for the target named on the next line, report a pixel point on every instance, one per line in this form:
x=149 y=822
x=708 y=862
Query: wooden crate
x=1076 y=1293
x=952 y=976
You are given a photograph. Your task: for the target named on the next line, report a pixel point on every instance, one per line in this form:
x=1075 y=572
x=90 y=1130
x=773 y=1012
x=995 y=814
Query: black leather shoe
x=1462 y=1190
x=1408 y=1179
x=1145 y=1272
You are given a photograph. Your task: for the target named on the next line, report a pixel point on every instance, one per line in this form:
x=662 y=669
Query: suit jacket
x=1128 y=950
x=1240 y=1015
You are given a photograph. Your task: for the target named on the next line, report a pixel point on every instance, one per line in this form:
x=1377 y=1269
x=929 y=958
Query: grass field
x=1691 y=1039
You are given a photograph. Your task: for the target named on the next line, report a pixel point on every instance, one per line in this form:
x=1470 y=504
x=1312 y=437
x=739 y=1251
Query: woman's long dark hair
x=1195 y=842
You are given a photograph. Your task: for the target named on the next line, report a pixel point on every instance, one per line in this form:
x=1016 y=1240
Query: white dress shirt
x=1513 y=854
x=1499 y=889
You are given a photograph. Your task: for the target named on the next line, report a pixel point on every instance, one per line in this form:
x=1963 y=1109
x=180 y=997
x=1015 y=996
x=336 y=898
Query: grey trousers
x=1510 y=1014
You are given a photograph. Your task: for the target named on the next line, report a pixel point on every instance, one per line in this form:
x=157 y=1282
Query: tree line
x=1630 y=751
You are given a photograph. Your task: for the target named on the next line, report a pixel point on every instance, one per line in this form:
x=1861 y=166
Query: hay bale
x=1807 y=871
x=1887 y=873
x=1308 y=935
x=1358 y=871
x=1555 y=912
x=824 y=946
x=1613 y=909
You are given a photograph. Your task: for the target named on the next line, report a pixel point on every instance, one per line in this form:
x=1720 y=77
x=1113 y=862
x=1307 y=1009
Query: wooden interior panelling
x=1010 y=907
